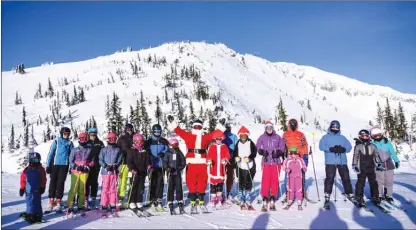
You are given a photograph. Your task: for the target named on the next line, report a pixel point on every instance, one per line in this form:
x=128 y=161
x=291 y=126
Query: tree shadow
x=261 y=221
x=328 y=219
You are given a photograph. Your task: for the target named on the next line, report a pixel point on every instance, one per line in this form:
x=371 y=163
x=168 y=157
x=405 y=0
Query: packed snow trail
x=342 y=214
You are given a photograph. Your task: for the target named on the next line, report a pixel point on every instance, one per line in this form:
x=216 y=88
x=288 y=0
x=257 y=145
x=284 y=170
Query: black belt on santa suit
x=197 y=151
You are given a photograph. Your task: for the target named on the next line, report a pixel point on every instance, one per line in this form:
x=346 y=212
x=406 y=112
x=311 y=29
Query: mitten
x=280 y=153
x=246 y=159
x=237 y=159
x=333 y=149
x=48 y=170
x=21 y=191
x=209 y=162
x=79 y=168
x=356 y=168
x=42 y=190
x=341 y=149
x=274 y=154
x=224 y=161
x=109 y=168
x=262 y=152
x=397 y=164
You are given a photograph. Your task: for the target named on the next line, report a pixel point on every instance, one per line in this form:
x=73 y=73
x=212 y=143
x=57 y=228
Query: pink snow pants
x=270 y=180
x=109 y=190
x=295 y=188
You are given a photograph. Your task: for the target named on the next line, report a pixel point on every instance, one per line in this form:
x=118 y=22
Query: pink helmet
x=82 y=137
x=174 y=142
x=111 y=138
x=138 y=141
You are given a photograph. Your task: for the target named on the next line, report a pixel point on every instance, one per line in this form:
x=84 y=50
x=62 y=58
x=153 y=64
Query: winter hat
x=218 y=134
x=138 y=140
x=173 y=141
x=128 y=126
x=197 y=122
x=335 y=125
x=64 y=130
x=243 y=130
x=156 y=128
x=92 y=130
x=293 y=124
x=267 y=124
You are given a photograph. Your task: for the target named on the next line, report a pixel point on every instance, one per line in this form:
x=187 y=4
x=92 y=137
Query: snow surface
x=254 y=84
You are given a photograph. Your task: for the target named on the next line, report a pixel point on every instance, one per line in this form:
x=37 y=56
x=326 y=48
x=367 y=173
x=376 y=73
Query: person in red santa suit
x=196 y=158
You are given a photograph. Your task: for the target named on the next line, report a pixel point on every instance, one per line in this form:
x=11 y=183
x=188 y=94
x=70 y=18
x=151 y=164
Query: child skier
x=32 y=183
x=174 y=162
x=110 y=159
x=217 y=157
x=387 y=156
x=245 y=152
x=80 y=167
x=137 y=162
x=295 y=168
x=366 y=158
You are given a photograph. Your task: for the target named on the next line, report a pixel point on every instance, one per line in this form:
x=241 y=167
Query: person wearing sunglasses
x=335 y=146
x=125 y=142
x=389 y=160
x=365 y=162
x=271 y=147
x=196 y=170
x=92 y=182
x=57 y=165
x=230 y=141
x=32 y=184
x=156 y=146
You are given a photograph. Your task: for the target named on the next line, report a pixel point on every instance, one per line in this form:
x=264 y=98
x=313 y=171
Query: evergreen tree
x=388 y=120
x=94 y=123
x=370 y=123
x=17 y=101
x=158 y=112
x=309 y=105
x=413 y=127
x=32 y=137
x=115 y=121
x=201 y=113
x=75 y=98
x=379 y=118
x=81 y=95
x=402 y=124
x=26 y=136
x=132 y=115
x=24 y=117
x=137 y=116
x=107 y=108
x=212 y=121
x=282 y=116
x=301 y=119
x=395 y=130
x=67 y=101
x=38 y=93
x=87 y=126
x=11 y=139
x=50 y=91
x=48 y=132
x=191 y=111
x=44 y=137
x=166 y=95
x=145 y=117
x=181 y=113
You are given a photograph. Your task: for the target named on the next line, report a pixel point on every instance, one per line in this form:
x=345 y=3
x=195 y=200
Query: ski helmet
x=376 y=134
x=138 y=141
x=228 y=125
x=174 y=142
x=293 y=150
x=129 y=128
x=293 y=124
x=92 y=130
x=82 y=138
x=65 y=130
x=111 y=138
x=364 y=135
x=335 y=126
x=34 y=158
x=197 y=124
x=156 y=129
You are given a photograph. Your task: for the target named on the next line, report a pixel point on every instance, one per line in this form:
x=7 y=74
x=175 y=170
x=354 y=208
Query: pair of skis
x=204 y=210
x=364 y=206
x=23 y=216
x=141 y=213
x=287 y=207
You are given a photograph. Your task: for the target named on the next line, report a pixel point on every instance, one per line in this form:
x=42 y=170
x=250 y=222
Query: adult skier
x=138 y=162
x=271 y=146
x=92 y=182
x=335 y=146
x=174 y=162
x=365 y=160
x=230 y=141
x=295 y=168
x=243 y=157
x=110 y=159
x=389 y=160
x=57 y=165
x=293 y=137
x=156 y=146
x=80 y=163
x=32 y=184
x=125 y=142
x=196 y=173
x=217 y=159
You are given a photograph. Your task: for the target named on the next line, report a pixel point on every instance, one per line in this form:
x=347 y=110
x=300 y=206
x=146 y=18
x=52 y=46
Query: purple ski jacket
x=269 y=143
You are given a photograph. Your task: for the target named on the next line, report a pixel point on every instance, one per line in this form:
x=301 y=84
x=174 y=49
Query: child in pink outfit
x=294 y=165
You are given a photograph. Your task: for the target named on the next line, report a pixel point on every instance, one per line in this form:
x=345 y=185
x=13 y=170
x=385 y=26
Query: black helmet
x=128 y=126
x=156 y=127
x=364 y=135
x=293 y=124
x=65 y=130
x=34 y=158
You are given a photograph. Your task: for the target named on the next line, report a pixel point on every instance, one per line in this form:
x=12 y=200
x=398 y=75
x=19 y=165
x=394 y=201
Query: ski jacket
x=96 y=147
x=330 y=140
x=156 y=147
x=298 y=139
x=33 y=178
x=269 y=143
x=109 y=155
x=138 y=160
x=366 y=156
x=230 y=141
x=174 y=159
x=79 y=157
x=296 y=165
x=59 y=152
x=217 y=170
x=387 y=153
x=242 y=150
x=124 y=143
x=196 y=144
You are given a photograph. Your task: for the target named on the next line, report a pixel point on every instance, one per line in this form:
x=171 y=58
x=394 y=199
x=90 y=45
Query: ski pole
x=335 y=181
x=209 y=184
x=163 y=177
x=131 y=187
x=251 y=178
x=278 y=181
x=314 y=173
x=148 y=186
x=225 y=181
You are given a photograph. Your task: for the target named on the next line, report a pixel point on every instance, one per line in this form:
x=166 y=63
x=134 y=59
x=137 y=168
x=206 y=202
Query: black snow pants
x=359 y=186
x=175 y=186
x=137 y=188
x=156 y=185
x=92 y=182
x=57 y=181
x=344 y=173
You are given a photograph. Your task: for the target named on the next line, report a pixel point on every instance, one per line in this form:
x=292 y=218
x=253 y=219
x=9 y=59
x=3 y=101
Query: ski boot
x=351 y=197
x=389 y=199
x=213 y=203
x=93 y=203
x=376 y=201
x=326 y=202
x=113 y=211
x=59 y=206
x=159 y=206
x=50 y=206
x=193 y=207
x=272 y=204
x=360 y=202
x=265 y=204
x=300 y=205
x=202 y=207
x=171 y=209
x=104 y=212
x=243 y=207
x=180 y=205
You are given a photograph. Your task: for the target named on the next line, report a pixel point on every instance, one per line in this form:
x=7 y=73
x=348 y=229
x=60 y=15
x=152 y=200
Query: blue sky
x=374 y=42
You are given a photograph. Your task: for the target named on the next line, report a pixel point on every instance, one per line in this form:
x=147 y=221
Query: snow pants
x=137 y=188
x=229 y=170
x=122 y=185
x=270 y=180
x=385 y=180
x=216 y=188
x=33 y=203
x=175 y=186
x=92 y=182
x=359 y=186
x=196 y=180
x=244 y=179
x=156 y=185
x=109 y=190
x=295 y=188
x=344 y=173
x=57 y=181
x=78 y=184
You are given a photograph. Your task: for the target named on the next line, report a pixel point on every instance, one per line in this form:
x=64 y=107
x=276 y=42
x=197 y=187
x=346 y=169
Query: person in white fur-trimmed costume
x=197 y=144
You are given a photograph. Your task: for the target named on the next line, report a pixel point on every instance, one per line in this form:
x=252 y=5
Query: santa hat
x=268 y=123
x=218 y=134
x=243 y=130
x=197 y=122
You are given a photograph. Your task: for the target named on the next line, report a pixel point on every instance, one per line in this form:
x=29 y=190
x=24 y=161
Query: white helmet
x=376 y=131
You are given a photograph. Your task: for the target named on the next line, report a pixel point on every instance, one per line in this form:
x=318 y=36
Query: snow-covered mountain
x=250 y=87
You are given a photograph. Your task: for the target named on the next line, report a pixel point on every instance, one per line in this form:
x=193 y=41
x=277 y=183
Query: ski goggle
x=364 y=136
x=157 y=131
x=138 y=142
x=377 y=136
x=197 y=127
x=269 y=127
x=293 y=153
x=66 y=133
x=34 y=160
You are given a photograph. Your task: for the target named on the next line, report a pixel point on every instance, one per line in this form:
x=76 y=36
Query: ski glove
x=170 y=118
x=79 y=168
x=397 y=164
x=224 y=161
x=42 y=190
x=109 y=168
x=21 y=191
x=209 y=162
x=356 y=168
x=48 y=170
x=237 y=159
x=161 y=154
x=380 y=167
x=275 y=154
x=246 y=159
x=288 y=170
x=85 y=169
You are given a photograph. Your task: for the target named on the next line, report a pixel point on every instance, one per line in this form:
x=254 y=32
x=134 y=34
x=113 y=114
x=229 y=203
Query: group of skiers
x=210 y=160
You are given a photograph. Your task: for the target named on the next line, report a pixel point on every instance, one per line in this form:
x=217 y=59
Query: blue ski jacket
x=330 y=140
x=109 y=155
x=59 y=152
